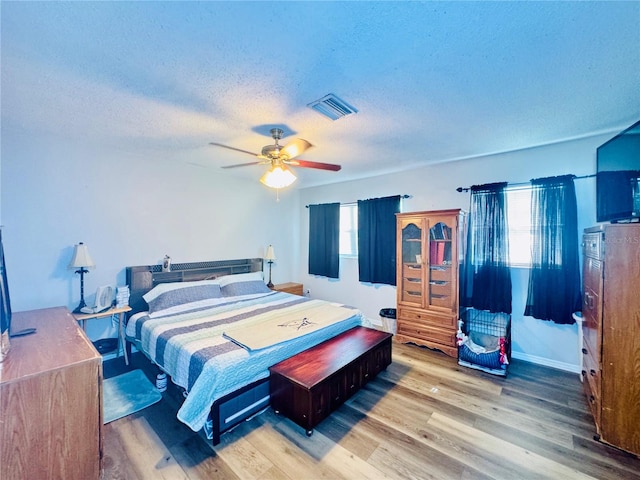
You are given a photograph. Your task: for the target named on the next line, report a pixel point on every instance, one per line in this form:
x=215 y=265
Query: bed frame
x=143 y=278
x=237 y=406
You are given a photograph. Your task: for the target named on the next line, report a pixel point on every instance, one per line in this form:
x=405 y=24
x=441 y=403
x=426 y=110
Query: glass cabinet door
x=412 y=262
x=440 y=274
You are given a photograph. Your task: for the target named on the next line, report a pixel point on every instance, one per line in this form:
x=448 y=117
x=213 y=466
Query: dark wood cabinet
x=611 y=332
x=310 y=385
x=428 y=263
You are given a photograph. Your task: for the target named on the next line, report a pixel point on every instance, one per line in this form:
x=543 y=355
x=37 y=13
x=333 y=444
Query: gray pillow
x=192 y=296
x=245 y=288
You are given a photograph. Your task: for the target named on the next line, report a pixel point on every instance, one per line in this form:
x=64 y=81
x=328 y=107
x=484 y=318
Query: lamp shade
x=278 y=177
x=270 y=255
x=81 y=257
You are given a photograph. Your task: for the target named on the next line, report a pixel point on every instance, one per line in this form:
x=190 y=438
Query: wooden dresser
x=428 y=263
x=611 y=329
x=50 y=400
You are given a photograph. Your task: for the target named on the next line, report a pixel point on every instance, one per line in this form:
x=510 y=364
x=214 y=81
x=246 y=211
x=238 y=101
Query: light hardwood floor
x=424 y=417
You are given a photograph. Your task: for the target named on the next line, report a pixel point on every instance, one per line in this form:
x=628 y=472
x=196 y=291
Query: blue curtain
x=486 y=275
x=5 y=304
x=324 y=240
x=377 y=239
x=554 y=282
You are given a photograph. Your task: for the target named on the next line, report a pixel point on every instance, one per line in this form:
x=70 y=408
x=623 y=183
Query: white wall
x=132 y=210
x=128 y=210
x=433 y=188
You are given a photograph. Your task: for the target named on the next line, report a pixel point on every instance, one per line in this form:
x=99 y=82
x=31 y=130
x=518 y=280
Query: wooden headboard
x=143 y=278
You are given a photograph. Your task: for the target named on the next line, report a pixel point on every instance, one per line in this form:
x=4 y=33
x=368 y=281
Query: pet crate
x=484 y=341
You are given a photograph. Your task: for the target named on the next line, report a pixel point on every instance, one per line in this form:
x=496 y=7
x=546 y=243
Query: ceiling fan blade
x=296 y=147
x=233 y=148
x=243 y=164
x=319 y=165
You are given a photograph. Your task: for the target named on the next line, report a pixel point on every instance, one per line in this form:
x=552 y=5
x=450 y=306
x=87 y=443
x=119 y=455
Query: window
x=349 y=230
x=519 y=218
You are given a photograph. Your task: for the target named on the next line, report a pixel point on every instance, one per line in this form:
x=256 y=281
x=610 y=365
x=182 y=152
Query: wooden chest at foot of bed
x=310 y=385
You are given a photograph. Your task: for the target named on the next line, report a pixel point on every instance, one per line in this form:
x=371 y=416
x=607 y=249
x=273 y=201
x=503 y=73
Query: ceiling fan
x=279 y=157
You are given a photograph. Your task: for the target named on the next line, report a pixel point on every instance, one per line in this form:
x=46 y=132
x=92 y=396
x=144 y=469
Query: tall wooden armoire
x=428 y=263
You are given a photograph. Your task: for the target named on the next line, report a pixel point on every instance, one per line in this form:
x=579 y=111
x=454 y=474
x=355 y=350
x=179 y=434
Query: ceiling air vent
x=332 y=107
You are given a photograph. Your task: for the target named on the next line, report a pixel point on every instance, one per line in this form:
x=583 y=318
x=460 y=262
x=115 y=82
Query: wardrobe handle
x=584 y=350
x=584 y=373
x=592 y=372
x=592 y=399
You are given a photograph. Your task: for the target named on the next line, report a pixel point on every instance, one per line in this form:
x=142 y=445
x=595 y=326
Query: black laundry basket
x=106 y=345
x=388 y=318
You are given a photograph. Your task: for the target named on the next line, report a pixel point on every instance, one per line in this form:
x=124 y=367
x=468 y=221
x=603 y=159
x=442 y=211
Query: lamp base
x=270 y=285
x=80 y=307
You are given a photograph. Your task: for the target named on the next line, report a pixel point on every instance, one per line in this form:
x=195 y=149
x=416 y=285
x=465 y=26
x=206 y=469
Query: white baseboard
x=567 y=367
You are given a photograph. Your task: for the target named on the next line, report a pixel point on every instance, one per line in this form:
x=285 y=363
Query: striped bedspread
x=192 y=348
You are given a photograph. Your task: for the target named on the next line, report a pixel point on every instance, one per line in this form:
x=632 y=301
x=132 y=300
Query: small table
x=289 y=287
x=120 y=311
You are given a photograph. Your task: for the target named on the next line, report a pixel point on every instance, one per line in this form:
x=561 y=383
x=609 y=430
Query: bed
x=215 y=329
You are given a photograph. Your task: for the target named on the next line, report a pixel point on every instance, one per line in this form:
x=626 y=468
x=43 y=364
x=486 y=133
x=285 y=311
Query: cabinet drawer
x=420 y=317
x=440 y=273
x=412 y=284
x=591 y=371
x=428 y=333
x=440 y=288
x=592 y=245
x=412 y=296
x=593 y=400
x=593 y=274
x=412 y=270
x=445 y=301
x=591 y=325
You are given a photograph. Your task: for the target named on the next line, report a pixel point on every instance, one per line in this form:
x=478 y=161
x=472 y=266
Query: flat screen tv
x=618 y=177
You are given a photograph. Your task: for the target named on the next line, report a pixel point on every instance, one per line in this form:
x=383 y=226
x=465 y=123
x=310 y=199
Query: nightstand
x=289 y=287
x=120 y=311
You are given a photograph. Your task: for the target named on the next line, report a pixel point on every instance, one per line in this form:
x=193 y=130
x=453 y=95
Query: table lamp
x=81 y=260
x=270 y=257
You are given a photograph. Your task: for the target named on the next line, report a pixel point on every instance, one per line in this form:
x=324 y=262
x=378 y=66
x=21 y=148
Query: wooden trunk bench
x=307 y=387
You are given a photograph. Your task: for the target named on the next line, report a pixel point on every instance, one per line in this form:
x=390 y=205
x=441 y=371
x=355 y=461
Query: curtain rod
x=521 y=184
x=355 y=203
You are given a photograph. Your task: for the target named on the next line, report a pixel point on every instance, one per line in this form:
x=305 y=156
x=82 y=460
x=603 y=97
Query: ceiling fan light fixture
x=271 y=151
x=295 y=148
x=278 y=177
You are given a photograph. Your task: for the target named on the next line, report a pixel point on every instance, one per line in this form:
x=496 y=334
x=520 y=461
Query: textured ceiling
x=432 y=82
